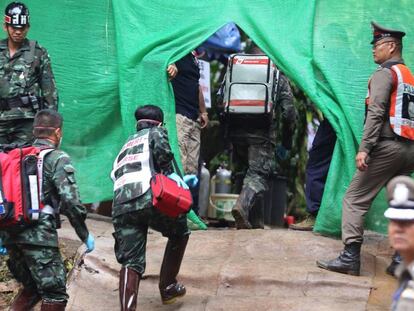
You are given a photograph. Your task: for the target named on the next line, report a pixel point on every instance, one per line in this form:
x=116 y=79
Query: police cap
x=400 y=191
x=380 y=32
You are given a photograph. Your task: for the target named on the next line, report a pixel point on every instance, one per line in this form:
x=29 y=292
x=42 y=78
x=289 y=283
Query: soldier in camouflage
x=133 y=213
x=35 y=260
x=254 y=151
x=27 y=83
x=256 y=148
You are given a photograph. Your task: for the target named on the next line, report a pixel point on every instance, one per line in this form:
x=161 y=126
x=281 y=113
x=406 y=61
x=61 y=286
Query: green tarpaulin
x=110 y=56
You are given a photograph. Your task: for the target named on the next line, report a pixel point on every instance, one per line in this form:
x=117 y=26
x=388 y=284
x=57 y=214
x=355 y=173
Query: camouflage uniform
x=132 y=218
x=28 y=72
x=254 y=149
x=34 y=258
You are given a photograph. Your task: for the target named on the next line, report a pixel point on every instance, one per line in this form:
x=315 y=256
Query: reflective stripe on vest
x=131 y=171
x=250 y=85
x=402 y=103
x=36 y=184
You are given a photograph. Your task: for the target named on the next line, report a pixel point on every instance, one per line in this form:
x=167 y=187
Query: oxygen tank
x=204 y=191
x=222 y=180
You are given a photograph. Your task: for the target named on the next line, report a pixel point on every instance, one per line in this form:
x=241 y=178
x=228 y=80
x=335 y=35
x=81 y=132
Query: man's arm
x=161 y=149
x=70 y=205
x=289 y=115
x=380 y=90
x=47 y=82
x=202 y=108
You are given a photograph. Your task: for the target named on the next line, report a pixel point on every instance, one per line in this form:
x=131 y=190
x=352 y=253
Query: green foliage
x=294 y=167
x=222 y=159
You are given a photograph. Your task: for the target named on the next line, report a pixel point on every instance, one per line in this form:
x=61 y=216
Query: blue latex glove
x=3 y=250
x=191 y=180
x=281 y=152
x=180 y=182
x=90 y=243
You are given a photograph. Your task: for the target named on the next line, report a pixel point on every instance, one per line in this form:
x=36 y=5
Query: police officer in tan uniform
x=385 y=151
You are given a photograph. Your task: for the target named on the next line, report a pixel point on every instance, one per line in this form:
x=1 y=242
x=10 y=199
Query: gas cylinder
x=204 y=191
x=222 y=180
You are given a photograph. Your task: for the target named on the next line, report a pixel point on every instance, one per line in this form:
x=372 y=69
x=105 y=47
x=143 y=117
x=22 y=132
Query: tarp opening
x=110 y=56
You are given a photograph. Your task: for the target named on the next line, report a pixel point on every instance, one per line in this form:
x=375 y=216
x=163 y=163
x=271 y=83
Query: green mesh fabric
x=110 y=56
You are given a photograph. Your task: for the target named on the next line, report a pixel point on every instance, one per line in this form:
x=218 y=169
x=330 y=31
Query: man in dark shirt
x=191 y=114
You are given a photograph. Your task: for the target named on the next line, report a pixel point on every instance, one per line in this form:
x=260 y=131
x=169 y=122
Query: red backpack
x=21 y=171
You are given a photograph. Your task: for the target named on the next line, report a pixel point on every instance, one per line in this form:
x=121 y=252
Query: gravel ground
x=9 y=287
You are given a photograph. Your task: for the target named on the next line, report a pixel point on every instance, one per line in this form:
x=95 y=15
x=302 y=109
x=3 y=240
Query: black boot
x=170 y=289
x=53 y=306
x=348 y=262
x=396 y=260
x=25 y=300
x=128 y=288
x=241 y=209
x=256 y=215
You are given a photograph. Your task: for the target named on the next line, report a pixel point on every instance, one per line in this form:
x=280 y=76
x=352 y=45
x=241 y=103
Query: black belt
x=26 y=101
x=396 y=138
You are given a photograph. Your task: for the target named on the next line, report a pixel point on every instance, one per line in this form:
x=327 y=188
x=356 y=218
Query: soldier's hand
x=180 y=182
x=3 y=250
x=203 y=119
x=90 y=243
x=361 y=160
x=191 y=180
x=172 y=71
x=281 y=152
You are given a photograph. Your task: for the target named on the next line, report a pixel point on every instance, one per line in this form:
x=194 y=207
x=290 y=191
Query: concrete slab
x=226 y=269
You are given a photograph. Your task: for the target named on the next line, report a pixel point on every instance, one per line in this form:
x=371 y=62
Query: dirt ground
x=9 y=287
x=226 y=269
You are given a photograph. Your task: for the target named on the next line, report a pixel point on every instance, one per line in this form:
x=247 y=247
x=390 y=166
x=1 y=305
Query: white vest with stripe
x=131 y=171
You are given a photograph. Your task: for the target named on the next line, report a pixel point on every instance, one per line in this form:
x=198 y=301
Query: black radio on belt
x=25 y=101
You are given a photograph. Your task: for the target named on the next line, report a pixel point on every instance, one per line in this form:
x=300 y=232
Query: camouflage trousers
x=257 y=160
x=188 y=135
x=40 y=268
x=18 y=131
x=131 y=231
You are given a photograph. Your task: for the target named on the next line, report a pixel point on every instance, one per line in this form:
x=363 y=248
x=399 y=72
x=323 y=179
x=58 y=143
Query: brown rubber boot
x=241 y=209
x=25 y=300
x=128 y=288
x=53 y=306
x=170 y=289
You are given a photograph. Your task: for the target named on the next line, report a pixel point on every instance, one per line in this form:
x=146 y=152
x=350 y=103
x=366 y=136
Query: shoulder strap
x=29 y=57
x=175 y=165
x=40 y=161
x=152 y=169
x=30 y=54
x=177 y=169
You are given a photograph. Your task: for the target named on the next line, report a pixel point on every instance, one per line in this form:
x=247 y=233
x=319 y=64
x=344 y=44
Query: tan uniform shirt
x=377 y=123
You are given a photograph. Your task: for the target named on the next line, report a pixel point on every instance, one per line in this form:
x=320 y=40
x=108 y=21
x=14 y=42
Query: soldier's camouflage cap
x=380 y=32
x=400 y=191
